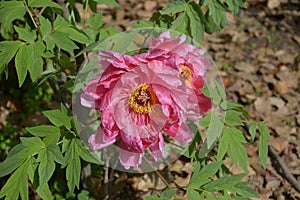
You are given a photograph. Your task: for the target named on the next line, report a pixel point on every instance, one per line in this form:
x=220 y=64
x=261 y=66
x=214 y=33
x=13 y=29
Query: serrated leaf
x=43 y=130
x=214 y=130
x=234 y=5
x=45 y=26
x=242 y=189
x=73 y=173
x=72 y=161
x=58 y=118
x=9 y=11
x=35 y=61
x=232 y=141
x=26 y=33
x=202 y=177
x=228 y=105
x=43 y=3
x=15 y=158
x=205 y=121
x=264 y=137
x=194 y=13
x=174 y=7
x=252 y=130
x=85 y=154
x=8 y=50
x=17 y=184
x=21 y=65
x=96 y=20
x=232 y=118
x=63 y=42
x=44 y=192
x=224 y=183
x=181 y=24
x=46 y=167
x=220 y=89
x=192 y=195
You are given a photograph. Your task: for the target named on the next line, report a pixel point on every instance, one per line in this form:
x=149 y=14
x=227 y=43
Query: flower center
x=186 y=74
x=142 y=98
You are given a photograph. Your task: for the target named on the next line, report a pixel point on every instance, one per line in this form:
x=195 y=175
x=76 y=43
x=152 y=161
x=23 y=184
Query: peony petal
x=158 y=148
x=99 y=141
x=129 y=157
x=184 y=134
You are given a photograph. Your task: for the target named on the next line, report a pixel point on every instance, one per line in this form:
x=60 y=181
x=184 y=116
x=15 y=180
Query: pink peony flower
x=144 y=95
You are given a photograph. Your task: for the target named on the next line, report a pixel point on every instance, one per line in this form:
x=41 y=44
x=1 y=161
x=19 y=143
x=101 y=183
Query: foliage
x=42 y=44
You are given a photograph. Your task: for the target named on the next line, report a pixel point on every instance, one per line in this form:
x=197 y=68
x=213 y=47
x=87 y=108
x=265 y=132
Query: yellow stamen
x=142 y=98
x=186 y=74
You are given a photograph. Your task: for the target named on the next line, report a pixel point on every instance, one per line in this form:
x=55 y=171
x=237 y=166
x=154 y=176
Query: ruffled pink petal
x=99 y=140
x=131 y=151
x=130 y=159
x=157 y=148
x=184 y=134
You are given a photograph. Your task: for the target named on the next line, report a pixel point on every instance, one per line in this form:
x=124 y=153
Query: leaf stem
x=30 y=14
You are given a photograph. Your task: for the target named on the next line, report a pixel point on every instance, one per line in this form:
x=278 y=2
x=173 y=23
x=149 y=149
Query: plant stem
x=30 y=14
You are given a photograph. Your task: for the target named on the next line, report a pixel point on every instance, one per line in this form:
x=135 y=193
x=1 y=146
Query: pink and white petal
x=184 y=134
x=158 y=148
x=99 y=141
x=128 y=157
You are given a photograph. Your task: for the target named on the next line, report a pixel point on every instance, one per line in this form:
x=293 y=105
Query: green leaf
x=8 y=50
x=85 y=154
x=228 y=105
x=43 y=3
x=232 y=118
x=26 y=33
x=174 y=7
x=9 y=11
x=193 y=195
x=96 y=20
x=252 y=130
x=195 y=17
x=242 y=189
x=58 y=118
x=46 y=167
x=74 y=34
x=72 y=161
x=63 y=42
x=214 y=130
x=181 y=24
x=44 y=192
x=220 y=89
x=264 y=137
x=45 y=26
x=168 y=194
x=43 y=130
x=108 y=2
x=205 y=121
x=232 y=141
x=17 y=184
x=21 y=63
x=224 y=183
x=35 y=61
x=15 y=158
x=234 y=5
x=203 y=176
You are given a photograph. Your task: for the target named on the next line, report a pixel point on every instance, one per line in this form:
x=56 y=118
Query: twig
x=30 y=14
x=285 y=170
